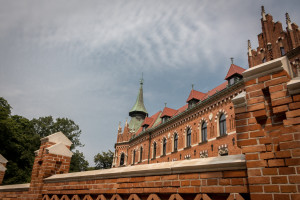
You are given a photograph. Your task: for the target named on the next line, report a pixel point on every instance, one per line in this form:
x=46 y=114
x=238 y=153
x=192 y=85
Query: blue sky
x=83 y=59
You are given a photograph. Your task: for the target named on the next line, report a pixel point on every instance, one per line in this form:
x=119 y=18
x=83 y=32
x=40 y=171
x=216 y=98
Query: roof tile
x=234 y=69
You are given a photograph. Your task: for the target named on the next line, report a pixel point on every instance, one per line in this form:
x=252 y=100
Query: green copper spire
x=139 y=106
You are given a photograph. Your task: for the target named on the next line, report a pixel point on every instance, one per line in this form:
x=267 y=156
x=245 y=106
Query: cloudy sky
x=83 y=59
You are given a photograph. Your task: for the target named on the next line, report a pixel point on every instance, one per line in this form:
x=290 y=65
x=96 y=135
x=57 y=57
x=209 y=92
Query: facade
x=205 y=126
x=240 y=140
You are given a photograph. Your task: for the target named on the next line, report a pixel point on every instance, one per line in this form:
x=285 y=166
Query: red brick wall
x=45 y=165
x=268 y=131
x=1 y=177
x=166 y=185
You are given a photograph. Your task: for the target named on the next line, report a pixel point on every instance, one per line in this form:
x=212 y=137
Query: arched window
x=175 y=142
x=133 y=158
x=188 y=137
x=222 y=125
x=141 y=154
x=122 y=159
x=164 y=146
x=204 y=132
x=154 y=150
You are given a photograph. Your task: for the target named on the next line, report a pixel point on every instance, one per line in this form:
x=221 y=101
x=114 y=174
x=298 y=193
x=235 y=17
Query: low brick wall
x=222 y=177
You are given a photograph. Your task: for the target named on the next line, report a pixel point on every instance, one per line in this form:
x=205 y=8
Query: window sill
x=163 y=156
x=221 y=136
x=153 y=158
x=204 y=142
x=174 y=152
x=187 y=147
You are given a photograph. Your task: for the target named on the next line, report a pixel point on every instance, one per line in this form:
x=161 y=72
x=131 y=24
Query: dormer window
x=145 y=127
x=231 y=81
x=165 y=118
x=234 y=74
x=192 y=103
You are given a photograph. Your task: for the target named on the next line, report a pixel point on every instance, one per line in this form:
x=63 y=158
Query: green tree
x=104 y=160
x=45 y=126
x=20 y=137
x=78 y=162
x=18 y=142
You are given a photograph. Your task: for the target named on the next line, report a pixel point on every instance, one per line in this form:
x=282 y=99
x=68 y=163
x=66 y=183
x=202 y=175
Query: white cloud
x=82 y=60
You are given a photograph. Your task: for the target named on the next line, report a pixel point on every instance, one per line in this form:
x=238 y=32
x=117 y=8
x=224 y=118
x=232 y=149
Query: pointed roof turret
x=288 y=21
x=249 y=48
x=139 y=106
x=234 y=69
x=263 y=13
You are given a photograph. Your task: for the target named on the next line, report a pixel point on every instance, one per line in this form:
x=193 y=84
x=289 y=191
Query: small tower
x=138 y=111
x=263 y=13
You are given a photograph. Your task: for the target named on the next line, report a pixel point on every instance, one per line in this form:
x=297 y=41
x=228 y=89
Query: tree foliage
x=45 y=126
x=18 y=142
x=78 y=162
x=104 y=160
x=20 y=137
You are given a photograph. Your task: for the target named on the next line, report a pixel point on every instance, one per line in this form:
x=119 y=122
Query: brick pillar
x=53 y=157
x=3 y=162
x=268 y=130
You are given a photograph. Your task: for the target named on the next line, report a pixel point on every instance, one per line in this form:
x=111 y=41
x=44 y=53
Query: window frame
x=141 y=154
x=222 y=125
x=282 y=51
x=122 y=155
x=164 y=147
x=204 y=130
x=154 y=150
x=175 y=142
x=188 y=137
x=133 y=157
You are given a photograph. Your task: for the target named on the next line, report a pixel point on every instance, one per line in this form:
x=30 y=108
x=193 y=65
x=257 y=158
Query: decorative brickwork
x=269 y=134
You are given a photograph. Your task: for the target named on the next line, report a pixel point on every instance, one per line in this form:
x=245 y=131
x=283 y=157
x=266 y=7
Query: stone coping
x=56 y=138
x=294 y=86
x=14 y=188
x=239 y=100
x=267 y=68
x=220 y=163
x=59 y=149
x=2 y=168
x=2 y=159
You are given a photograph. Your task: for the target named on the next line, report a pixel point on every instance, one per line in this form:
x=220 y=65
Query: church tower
x=138 y=111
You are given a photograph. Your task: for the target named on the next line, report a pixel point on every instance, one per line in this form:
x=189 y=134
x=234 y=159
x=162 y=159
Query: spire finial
x=263 y=14
x=142 y=80
x=192 y=86
x=288 y=21
x=231 y=60
x=165 y=104
x=249 y=48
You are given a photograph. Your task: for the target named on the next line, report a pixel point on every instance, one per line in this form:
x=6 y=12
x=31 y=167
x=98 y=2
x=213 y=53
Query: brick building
x=240 y=140
x=205 y=126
